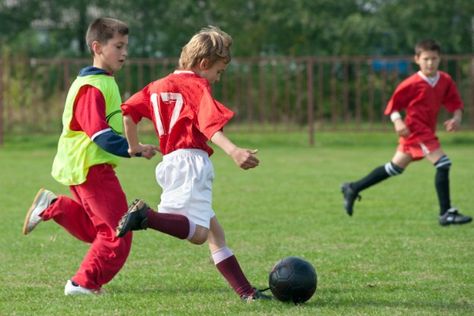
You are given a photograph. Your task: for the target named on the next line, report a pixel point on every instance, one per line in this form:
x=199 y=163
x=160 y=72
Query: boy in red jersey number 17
x=421 y=97
x=185 y=117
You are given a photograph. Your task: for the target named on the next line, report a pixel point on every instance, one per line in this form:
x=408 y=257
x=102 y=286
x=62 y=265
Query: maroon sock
x=232 y=272
x=172 y=224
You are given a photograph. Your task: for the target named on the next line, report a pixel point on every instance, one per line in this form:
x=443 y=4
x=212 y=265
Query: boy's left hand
x=452 y=125
x=149 y=151
x=245 y=158
x=144 y=150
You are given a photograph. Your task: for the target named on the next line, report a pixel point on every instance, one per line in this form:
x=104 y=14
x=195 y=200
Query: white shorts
x=186 y=177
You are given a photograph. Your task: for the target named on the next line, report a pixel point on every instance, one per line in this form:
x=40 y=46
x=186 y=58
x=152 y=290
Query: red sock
x=232 y=272
x=172 y=224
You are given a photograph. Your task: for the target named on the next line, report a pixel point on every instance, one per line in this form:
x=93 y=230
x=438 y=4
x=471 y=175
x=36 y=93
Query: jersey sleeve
x=399 y=100
x=452 y=100
x=212 y=116
x=137 y=106
x=89 y=112
x=113 y=143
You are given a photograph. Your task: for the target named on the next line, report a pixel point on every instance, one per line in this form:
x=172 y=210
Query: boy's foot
x=134 y=219
x=256 y=295
x=42 y=201
x=452 y=216
x=72 y=288
x=349 y=197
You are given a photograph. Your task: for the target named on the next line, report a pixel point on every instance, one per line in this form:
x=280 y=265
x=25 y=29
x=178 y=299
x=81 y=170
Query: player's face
x=213 y=73
x=112 y=55
x=428 y=62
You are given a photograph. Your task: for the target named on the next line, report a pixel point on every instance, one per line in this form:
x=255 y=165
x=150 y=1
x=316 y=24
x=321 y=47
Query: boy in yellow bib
x=88 y=151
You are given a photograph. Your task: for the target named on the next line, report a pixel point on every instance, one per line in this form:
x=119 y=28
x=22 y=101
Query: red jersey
x=182 y=109
x=421 y=100
x=89 y=112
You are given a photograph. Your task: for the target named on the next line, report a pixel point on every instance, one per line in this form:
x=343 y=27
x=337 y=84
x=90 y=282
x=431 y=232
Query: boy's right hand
x=401 y=129
x=245 y=158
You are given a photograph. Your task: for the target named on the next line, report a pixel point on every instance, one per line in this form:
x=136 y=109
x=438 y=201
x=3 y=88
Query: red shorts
x=419 y=150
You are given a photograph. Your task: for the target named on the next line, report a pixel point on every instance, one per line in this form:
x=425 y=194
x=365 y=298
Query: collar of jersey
x=91 y=70
x=184 y=72
x=432 y=81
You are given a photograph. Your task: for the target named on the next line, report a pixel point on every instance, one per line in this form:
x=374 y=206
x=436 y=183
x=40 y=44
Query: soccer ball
x=293 y=279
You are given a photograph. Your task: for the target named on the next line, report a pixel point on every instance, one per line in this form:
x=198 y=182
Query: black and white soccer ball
x=293 y=279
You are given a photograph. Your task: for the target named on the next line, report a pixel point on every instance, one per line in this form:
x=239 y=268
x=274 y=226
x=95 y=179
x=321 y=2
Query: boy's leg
x=175 y=225
x=186 y=179
x=104 y=202
x=442 y=164
x=66 y=212
x=226 y=262
x=140 y=216
x=42 y=201
x=393 y=168
x=447 y=214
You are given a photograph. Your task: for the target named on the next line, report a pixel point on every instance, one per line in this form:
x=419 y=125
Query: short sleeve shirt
x=421 y=101
x=182 y=109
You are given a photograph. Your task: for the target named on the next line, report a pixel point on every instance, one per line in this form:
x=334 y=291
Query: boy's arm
x=400 y=126
x=112 y=143
x=454 y=123
x=244 y=158
x=89 y=117
x=135 y=148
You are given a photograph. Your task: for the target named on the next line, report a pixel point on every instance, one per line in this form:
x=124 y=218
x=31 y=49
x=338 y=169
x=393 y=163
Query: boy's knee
x=120 y=246
x=200 y=236
x=393 y=169
x=443 y=163
x=197 y=240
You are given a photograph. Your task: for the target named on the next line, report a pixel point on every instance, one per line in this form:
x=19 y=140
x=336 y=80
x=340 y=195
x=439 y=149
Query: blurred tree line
x=56 y=28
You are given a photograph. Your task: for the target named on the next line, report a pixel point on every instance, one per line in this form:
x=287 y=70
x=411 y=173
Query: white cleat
x=42 y=201
x=71 y=289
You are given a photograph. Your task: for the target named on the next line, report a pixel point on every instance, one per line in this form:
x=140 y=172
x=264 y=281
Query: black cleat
x=256 y=295
x=349 y=197
x=134 y=219
x=452 y=216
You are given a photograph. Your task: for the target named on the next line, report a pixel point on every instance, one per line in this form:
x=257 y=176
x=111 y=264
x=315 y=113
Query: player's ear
x=204 y=64
x=416 y=58
x=96 y=47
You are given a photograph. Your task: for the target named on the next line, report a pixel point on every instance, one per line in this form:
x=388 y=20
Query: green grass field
x=390 y=258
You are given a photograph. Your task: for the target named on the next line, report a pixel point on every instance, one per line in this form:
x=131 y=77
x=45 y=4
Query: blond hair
x=209 y=43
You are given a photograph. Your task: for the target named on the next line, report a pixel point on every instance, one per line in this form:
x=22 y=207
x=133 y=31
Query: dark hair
x=103 y=29
x=427 y=45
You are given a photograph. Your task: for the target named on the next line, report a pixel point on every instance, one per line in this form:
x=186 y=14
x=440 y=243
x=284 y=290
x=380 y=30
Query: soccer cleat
x=256 y=295
x=349 y=197
x=452 y=216
x=72 y=288
x=42 y=201
x=134 y=219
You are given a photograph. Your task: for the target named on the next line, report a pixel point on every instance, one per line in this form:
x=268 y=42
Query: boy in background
x=186 y=116
x=421 y=97
x=88 y=151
